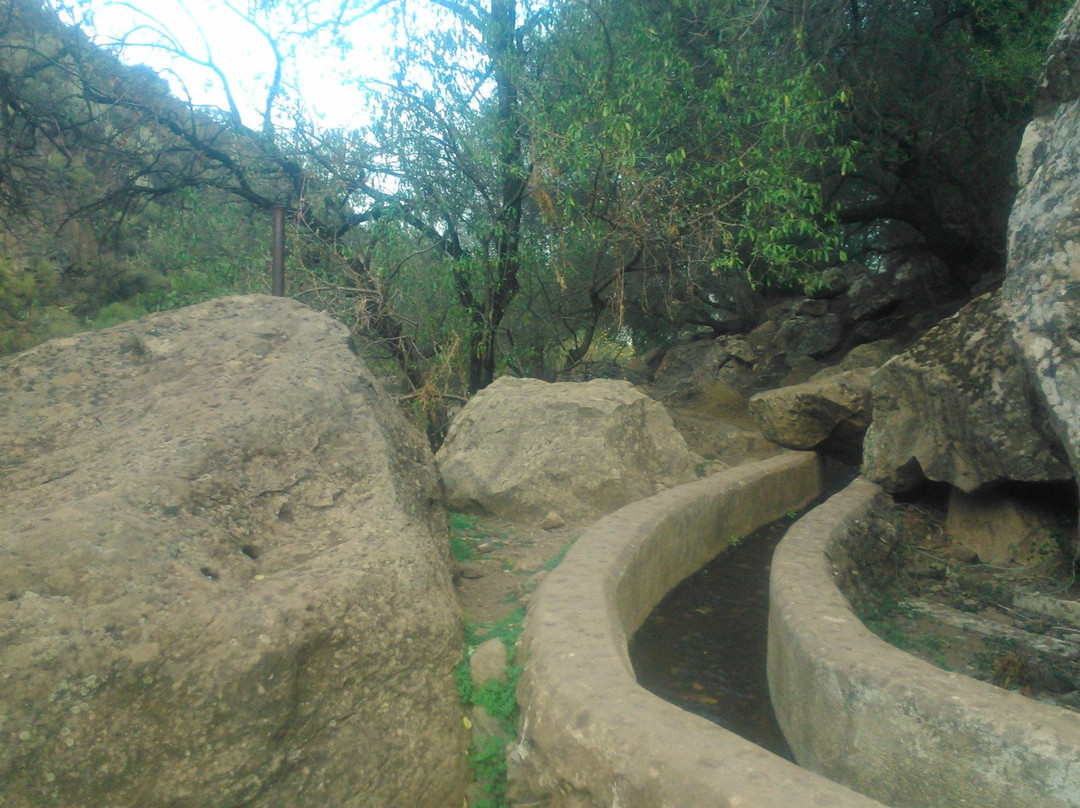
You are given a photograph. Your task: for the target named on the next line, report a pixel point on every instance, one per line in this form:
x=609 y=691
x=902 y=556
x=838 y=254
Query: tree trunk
x=502 y=46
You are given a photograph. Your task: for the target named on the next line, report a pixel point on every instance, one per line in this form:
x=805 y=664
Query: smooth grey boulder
x=956 y=407
x=224 y=575
x=524 y=447
x=1042 y=283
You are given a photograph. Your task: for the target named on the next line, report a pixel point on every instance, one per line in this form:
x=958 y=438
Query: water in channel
x=704 y=645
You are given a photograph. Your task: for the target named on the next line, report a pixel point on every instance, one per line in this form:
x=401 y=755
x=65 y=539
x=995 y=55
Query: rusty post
x=277 y=269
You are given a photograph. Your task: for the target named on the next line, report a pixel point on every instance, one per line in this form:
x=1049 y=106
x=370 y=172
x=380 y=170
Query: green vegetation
x=496 y=697
x=939 y=94
x=487 y=755
x=468 y=537
x=465 y=533
x=888 y=616
x=540 y=185
x=556 y=560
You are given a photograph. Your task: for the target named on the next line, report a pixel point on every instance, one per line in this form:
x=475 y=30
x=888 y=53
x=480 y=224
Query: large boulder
x=223 y=570
x=956 y=407
x=524 y=447
x=1042 y=285
x=831 y=410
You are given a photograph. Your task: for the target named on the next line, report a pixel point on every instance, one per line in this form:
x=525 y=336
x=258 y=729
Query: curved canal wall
x=590 y=735
x=862 y=712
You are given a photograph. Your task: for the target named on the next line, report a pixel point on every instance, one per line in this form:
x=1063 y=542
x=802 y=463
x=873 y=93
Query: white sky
x=208 y=29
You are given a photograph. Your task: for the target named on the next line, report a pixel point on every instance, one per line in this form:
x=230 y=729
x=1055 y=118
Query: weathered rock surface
x=798 y=337
x=727 y=359
x=956 y=407
x=833 y=408
x=1003 y=530
x=911 y=283
x=525 y=446
x=714 y=421
x=867 y=355
x=812 y=334
x=1042 y=285
x=223 y=572
x=488 y=661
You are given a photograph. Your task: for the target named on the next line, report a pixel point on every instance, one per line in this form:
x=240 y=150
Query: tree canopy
x=940 y=92
x=532 y=183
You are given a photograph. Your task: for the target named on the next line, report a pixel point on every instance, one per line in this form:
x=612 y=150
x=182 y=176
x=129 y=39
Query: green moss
x=466 y=533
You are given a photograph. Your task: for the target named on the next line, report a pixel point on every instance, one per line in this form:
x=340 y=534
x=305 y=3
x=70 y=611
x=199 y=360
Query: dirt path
x=501 y=562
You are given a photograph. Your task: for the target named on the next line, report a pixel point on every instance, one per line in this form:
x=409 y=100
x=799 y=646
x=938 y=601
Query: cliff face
x=1042 y=287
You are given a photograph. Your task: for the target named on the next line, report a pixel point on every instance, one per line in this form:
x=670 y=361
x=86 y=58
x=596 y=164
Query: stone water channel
x=881 y=723
x=704 y=645
x=590 y=734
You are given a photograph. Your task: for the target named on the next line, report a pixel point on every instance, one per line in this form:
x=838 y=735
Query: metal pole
x=277 y=269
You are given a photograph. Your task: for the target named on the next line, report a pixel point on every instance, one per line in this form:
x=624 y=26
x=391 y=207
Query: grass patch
x=556 y=559
x=888 y=617
x=464 y=524
x=498 y=698
x=466 y=534
x=487 y=755
x=461 y=549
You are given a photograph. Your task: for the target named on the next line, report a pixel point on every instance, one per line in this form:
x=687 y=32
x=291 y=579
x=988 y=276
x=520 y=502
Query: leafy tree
x=115 y=155
x=681 y=147
x=514 y=148
x=90 y=187
x=536 y=177
x=939 y=93
x=452 y=144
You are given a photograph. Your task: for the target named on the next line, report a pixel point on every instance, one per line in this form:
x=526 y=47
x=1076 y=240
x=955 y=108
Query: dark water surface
x=704 y=646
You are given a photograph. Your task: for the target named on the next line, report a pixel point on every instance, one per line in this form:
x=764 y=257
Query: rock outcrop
x=813 y=334
x=1042 y=285
x=956 y=407
x=525 y=446
x=898 y=301
x=223 y=570
x=727 y=359
x=799 y=337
